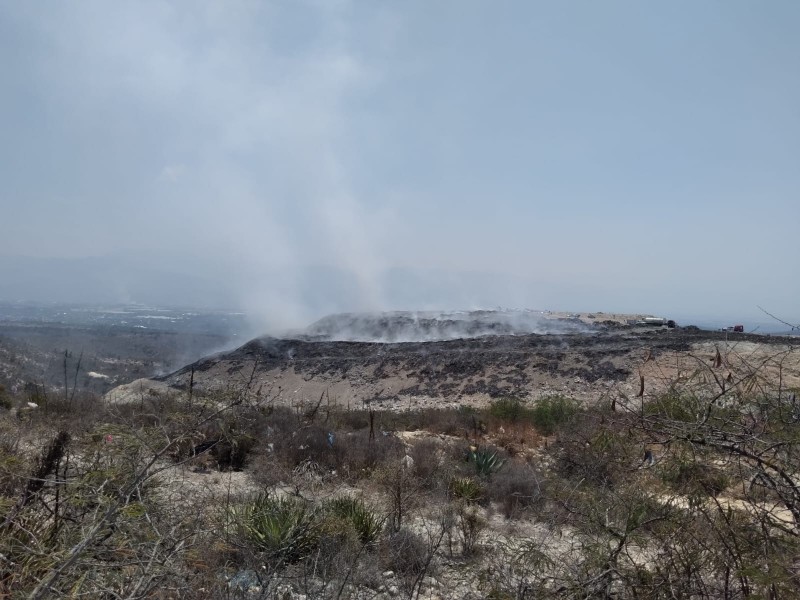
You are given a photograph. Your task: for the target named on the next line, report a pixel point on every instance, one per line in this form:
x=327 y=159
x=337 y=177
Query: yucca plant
x=285 y=528
x=466 y=489
x=486 y=462
x=364 y=521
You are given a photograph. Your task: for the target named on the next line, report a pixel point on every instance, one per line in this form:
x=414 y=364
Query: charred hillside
x=451 y=371
x=427 y=326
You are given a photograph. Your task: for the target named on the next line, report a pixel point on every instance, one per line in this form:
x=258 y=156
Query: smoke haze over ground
x=436 y=326
x=293 y=160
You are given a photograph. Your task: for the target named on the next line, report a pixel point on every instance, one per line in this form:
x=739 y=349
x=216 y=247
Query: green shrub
x=356 y=514
x=673 y=406
x=551 y=412
x=547 y=414
x=285 y=528
x=510 y=409
x=695 y=478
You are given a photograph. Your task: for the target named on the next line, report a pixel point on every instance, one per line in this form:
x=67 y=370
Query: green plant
x=695 y=478
x=486 y=462
x=551 y=412
x=509 y=409
x=466 y=489
x=674 y=406
x=285 y=528
x=12 y=467
x=355 y=513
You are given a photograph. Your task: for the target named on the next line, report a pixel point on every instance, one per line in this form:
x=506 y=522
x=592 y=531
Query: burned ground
x=469 y=371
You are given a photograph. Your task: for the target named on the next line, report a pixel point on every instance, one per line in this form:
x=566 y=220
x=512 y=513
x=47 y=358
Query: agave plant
x=285 y=528
x=486 y=462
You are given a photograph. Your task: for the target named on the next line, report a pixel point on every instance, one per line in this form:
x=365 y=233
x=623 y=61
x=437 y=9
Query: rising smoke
x=426 y=326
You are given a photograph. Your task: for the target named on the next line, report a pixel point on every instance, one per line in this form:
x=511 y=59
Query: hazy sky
x=297 y=157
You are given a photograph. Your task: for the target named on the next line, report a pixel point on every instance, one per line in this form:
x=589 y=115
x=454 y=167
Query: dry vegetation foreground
x=679 y=478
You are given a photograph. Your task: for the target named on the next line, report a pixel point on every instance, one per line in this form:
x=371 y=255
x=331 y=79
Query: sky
x=302 y=157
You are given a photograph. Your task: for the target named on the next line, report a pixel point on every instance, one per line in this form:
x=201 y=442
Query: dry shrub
x=206 y=561
x=267 y=471
x=596 y=450
x=5 y=398
x=515 y=437
x=336 y=557
x=458 y=422
x=357 y=455
x=695 y=478
x=517 y=487
x=426 y=454
x=403 y=552
x=153 y=410
x=232 y=452
x=469 y=523
x=353 y=454
x=77 y=413
x=13 y=466
x=224 y=445
x=308 y=443
x=349 y=420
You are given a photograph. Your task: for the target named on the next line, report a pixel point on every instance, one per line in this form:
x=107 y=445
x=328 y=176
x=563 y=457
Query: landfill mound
x=426 y=326
x=600 y=361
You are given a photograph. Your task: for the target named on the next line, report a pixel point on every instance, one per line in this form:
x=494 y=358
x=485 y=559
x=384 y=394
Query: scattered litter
x=245 y=581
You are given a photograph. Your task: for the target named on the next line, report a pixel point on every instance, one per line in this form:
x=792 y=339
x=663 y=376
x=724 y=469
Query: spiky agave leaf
x=486 y=462
x=285 y=528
